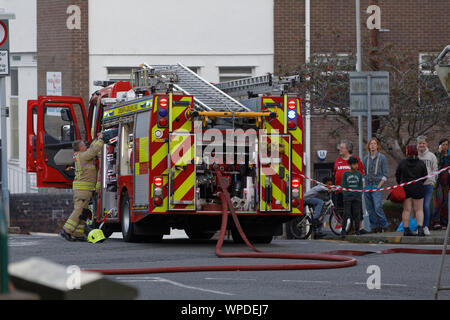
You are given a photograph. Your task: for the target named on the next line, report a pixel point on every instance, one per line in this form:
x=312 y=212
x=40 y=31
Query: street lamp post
x=4 y=48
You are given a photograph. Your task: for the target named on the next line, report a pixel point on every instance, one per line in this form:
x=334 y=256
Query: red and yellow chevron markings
x=275 y=172
x=182 y=171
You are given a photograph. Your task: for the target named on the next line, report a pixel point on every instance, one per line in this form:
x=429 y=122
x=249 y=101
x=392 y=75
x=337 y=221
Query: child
x=352 y=200
x=316 y=197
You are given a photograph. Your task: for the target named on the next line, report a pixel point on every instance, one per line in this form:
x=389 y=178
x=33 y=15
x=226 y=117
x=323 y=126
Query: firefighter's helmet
x=96 y=235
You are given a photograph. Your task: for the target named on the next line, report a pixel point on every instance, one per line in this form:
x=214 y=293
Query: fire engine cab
x=170 y=130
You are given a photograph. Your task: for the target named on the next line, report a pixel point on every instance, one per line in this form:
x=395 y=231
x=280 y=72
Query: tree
x=418 y=103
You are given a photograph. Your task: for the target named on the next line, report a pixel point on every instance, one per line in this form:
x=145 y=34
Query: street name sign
x=369 y=93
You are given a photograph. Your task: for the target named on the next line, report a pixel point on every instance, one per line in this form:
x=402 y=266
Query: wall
x=22 y=36
x=414 y=25
x=61 y=49
x=40 y=212
x=201 y=33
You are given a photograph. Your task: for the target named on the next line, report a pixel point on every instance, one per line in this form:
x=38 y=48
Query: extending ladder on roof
x=206 y=96
x=267 y=84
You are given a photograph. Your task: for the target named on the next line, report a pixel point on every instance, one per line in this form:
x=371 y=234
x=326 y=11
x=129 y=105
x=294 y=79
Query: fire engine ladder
x=267 y=84
x=206 y=96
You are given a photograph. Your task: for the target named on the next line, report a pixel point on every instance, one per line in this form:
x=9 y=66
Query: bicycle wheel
x=335 y=222
x=301 y=227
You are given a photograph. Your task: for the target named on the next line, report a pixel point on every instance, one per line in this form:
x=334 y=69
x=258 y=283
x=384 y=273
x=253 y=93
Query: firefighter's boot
x=67 y=236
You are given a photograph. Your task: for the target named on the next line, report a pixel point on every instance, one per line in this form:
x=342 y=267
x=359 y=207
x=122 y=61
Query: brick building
x=419 y=27
x=63 y=45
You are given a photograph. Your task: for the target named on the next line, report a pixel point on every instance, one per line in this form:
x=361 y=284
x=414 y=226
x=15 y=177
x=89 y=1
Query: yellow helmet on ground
x=95 y=236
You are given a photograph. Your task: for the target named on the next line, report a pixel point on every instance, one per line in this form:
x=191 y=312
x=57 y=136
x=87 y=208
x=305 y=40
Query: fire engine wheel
x=128 y=232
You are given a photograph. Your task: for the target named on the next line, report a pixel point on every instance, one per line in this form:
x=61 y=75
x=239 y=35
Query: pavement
x=436 y=237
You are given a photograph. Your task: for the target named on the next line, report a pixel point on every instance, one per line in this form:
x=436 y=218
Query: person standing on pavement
x=376 y=171
x=340 y=166
x=440 y=215
x=83 y=188
x=431 y=163
x=409 y=169
x=352 y=180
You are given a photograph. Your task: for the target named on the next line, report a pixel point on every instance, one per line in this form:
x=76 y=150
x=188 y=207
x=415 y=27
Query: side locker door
x=60 y=121
x=32 y=106
x=275 y=172
x=182 y=175
x=141 y=160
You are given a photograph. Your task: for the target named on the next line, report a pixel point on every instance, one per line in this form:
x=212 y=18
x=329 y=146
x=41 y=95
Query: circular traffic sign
x=3 y=33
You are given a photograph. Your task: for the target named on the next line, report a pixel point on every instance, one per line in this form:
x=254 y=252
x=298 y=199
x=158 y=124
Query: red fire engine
x=171 y=130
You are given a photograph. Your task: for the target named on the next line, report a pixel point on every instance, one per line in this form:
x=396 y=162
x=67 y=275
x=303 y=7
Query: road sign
x=3 y=32
x=369 y=93
x=4 y=48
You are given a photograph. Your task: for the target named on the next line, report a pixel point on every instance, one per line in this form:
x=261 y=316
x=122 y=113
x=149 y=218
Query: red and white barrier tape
x=380 y=189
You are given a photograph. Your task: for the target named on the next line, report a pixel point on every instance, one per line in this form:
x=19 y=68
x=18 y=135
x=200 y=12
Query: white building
x=21 y=85
x=220 y=40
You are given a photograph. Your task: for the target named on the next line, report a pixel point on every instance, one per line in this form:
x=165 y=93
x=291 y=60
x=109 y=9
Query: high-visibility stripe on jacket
x=85 y=170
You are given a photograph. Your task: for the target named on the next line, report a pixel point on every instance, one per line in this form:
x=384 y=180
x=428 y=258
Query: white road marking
x=230 y=279
x=385 y=284
x=159 y=279
x=15 y=243
x=307 y=281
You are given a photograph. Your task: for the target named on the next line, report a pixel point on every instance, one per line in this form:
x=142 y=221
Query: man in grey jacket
x=431 y=163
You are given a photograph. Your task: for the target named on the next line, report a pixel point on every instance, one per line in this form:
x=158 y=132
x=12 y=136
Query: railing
x=20 y=181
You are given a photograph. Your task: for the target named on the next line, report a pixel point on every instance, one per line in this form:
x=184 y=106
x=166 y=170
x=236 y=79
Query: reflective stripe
x=68 y=226
x=81 y=185
x=71 y=223
x=80 y=228
x=77 y=167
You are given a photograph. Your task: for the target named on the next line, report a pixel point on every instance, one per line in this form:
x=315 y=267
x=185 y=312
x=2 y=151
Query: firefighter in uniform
x=83 y=187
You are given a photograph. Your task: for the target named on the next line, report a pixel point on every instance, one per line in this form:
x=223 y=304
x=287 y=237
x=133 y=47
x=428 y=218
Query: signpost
x=4 y=211
x=369 y=95
x=4 y=48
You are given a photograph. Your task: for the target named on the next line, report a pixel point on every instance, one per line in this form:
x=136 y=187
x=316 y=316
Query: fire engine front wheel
x=128 y=228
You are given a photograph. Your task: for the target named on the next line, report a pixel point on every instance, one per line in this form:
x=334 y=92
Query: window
x=80 y=121
x=340 y=62
x=234 y=73
x=93 y=119
x=58 y=124
x=14 y=82
x=195 y=69
x=119 y=73
x=14 y=114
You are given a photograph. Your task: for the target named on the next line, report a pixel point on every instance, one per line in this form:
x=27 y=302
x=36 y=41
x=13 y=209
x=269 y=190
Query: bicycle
x=301 y=227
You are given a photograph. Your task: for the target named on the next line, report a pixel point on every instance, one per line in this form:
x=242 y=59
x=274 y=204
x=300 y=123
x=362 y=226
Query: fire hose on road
x=334 y=259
